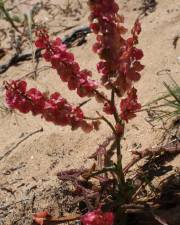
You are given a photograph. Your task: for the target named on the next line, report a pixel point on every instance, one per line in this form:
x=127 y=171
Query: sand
x=28 y=173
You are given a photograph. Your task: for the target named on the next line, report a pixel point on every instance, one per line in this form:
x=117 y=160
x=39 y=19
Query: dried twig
x=8 y=17
x=41 y=69
x=175 y=40
x=16 y=58
x=148 y=6
x=2 y=53
x=18 y=143
x=171 y=148
x=77 y=35
x=7 y=206
x=103 y=145
x=9 y=190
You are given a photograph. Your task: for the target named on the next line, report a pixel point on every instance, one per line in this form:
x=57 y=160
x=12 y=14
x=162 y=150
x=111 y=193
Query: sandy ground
x=28 y=173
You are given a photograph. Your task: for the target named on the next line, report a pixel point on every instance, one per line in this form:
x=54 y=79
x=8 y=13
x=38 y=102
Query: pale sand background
x=57 y=148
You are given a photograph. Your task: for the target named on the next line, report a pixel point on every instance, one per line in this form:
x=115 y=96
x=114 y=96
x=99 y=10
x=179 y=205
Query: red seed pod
x=129 y=105
x=68 y=69
x=114 y=50
x=86 y=127
x=108 y=108
x=119 y=129
x=55 y=109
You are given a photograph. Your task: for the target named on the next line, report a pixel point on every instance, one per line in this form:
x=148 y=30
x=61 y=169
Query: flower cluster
x=55 y=109
x=63 y=61
x=97 y=217
x=129 y=105
x=119 y=63
x=120 y=60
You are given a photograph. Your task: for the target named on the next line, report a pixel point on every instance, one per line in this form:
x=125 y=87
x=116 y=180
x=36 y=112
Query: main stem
x=119 y=163
x=121 y=216
x=118 y=144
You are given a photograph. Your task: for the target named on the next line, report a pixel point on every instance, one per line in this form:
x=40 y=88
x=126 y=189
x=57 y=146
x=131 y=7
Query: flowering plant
x=97 y=217
x=119 y=68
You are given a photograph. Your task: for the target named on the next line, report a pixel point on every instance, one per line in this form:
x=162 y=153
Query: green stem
x=107 y=121
x=104 y=170
x=121 y=216
x=119 y=163
x=92 y=118
x=8 y=17
x=83 y=103
x=116 y=117
x=118 y=144
x=101 y=96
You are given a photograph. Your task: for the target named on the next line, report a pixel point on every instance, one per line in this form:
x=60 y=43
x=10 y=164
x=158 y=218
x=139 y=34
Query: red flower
x=55 y=109
x=129 y=105
x=97 y=217
x=15 y=96
x=117 y=54
x=40 y=217
x=37 y=100
x=63 y=61
x=119 y=129
x=137 y=53
x=108 y=108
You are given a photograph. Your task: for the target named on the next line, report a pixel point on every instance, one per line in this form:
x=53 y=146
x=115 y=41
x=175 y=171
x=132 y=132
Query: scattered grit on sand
x=28 y=173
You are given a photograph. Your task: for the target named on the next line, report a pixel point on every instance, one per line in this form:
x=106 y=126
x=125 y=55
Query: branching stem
x=107 y=121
